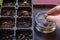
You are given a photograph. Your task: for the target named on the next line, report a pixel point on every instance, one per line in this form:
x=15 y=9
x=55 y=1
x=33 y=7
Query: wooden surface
x=46 y=2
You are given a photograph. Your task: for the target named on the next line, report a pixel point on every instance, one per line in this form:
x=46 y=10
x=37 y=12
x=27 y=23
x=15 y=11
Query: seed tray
x=7 y=22
x=6 y=34
x=25 y=3
x=8 y=11
x=16 y=19
x=24 y=22
x=24 y=11
x=24 y=35
x=9 y=3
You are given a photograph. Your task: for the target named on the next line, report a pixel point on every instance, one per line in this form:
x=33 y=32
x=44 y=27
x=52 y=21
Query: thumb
x=51 y=18
x=55 y=19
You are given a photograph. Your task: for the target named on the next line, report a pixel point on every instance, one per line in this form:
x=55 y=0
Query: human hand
x=54 y=15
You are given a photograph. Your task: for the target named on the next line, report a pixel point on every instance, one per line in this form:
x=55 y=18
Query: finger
x=51 y=18
x=54 y=18
x=54 y=11
x=58 y=25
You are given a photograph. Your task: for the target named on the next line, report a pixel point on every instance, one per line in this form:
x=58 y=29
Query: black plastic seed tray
x=16 y=20
x=9 y=3
x=24 y=35
x=8 y=11
x=7 y=22
x=24 y=11
x=6 y=34
x=25 y=3
x=24 y=22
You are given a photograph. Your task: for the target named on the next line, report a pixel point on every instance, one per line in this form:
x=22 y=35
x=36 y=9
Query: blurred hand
x=54 y=15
